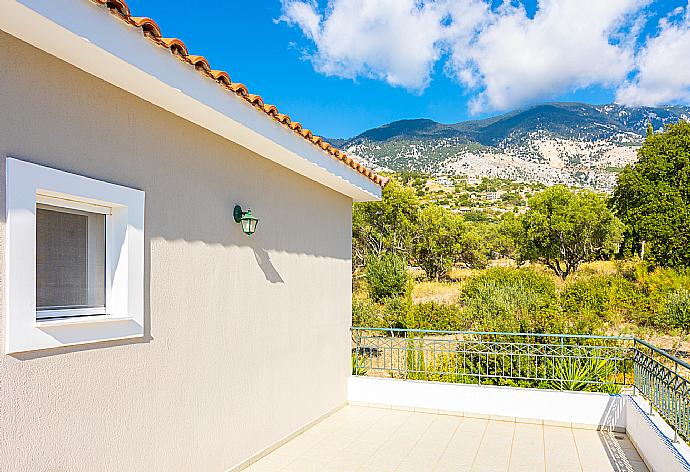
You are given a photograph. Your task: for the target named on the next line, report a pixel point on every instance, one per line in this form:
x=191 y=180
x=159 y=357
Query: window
x=70 y=262
x=75 y=259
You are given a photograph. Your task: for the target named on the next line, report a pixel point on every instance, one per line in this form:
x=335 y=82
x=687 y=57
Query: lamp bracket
x=237 y=213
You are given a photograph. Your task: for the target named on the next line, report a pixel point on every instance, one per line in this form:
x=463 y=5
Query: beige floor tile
x=431 y=445
x=463 y=446
x=527 y=451
x=593 y=457
x=495 y=448
x=560 y=450
x=272 y=462
x=398 y=445
x=304 y=464
x=368 y=439
x=618 y=451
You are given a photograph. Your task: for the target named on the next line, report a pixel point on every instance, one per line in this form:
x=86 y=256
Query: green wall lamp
x=246 y=219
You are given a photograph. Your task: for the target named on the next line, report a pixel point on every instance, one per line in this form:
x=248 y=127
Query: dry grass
x=439 y=292
x=599 y=268
x=460 y=274
x=448 y=292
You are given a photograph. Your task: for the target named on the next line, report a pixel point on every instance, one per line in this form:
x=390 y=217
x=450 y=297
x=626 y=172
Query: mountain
x=572 y=143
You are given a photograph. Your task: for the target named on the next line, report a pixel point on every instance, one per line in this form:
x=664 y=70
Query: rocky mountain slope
x=572 y=143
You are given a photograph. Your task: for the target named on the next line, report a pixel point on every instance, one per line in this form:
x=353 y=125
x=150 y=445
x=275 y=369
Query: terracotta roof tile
x=118 y=5
x=284 y=119
x=177 y=47
x=199 y=62
x=146 y=24
x=255 y=100
x=271 y=110
x=239 y=89
x=221 y=76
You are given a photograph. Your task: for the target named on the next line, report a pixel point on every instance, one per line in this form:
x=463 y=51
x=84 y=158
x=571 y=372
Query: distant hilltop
x=570 y=143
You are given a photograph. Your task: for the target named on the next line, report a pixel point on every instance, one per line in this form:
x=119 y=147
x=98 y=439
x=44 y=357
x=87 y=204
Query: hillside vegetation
x=494 y=255
x=574 y=144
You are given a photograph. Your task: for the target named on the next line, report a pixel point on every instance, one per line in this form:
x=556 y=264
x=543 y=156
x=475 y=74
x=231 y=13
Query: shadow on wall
x=620 y=453
x=614 y=442
x=191 y=176
x=267 y=267
x=614 y=412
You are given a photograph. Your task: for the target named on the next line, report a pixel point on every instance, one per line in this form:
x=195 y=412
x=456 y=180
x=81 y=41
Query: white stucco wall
x=578 y=409
x=653 y=438
x=246 y=339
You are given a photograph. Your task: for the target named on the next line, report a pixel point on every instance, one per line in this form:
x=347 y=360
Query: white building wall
x=246 y=339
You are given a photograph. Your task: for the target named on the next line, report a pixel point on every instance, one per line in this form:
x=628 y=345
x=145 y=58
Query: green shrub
x=387 y=277
x=676 y=314
x=434 y=316
x=591 y=303
x=512 y=300
x=365 y=314
x=395 y=312
x=647 y=302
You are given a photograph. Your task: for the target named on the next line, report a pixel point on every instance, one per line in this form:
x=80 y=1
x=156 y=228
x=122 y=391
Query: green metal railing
x=664 y=380
x=553 y=361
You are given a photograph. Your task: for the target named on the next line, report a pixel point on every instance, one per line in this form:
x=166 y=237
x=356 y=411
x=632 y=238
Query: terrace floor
x=370 y=439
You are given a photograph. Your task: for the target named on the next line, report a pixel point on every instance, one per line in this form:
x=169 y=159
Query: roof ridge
x=178 y=48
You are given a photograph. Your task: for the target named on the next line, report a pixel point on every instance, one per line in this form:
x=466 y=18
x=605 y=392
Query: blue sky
x=344 y=66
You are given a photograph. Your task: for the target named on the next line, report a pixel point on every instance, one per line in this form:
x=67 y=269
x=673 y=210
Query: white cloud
x=662 y=66
x=501 y=55
x=567 y=45
x=393 y=40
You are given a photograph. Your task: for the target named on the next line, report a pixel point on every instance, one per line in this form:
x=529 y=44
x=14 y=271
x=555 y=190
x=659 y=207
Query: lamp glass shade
x=249 y=223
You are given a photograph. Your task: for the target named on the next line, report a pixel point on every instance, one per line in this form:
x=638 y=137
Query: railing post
x=480 y=359
x=358 y=336
x=564 y=361
x=407 y=353
x=634 y=359
x=675 y=426
x=652 y=391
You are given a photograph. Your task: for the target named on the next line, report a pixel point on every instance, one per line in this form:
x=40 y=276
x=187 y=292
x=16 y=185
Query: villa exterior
x=142 y=329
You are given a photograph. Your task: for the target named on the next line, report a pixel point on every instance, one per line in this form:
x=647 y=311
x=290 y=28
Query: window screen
x=70 y=260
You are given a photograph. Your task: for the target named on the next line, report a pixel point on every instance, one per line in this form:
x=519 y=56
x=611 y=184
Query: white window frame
x=29 y=184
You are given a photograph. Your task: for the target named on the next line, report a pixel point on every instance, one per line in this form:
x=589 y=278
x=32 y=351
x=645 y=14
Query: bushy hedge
x=512 y=300
x=432 y=315
x=676 y=314
x=387 y=277
x=591 y=304
x=526 y=300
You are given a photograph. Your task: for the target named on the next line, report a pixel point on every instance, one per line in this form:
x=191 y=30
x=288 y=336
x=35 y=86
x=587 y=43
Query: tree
x=442 y=240
x=386 y=276
x=653 y=198
x=562 y=229
x=498 y=239
x=386 y=226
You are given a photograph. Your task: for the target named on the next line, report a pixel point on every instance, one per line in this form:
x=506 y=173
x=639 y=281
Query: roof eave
x=78 y=32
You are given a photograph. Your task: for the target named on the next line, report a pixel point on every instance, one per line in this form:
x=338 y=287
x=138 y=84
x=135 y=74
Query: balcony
x=467 y=401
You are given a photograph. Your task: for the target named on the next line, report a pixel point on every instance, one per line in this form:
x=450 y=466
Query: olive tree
x=384 y=227
x=443 y=239
x=564 y=228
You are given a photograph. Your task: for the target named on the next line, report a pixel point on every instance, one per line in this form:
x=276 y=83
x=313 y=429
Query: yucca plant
x=583 y=375
x=357 y=362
